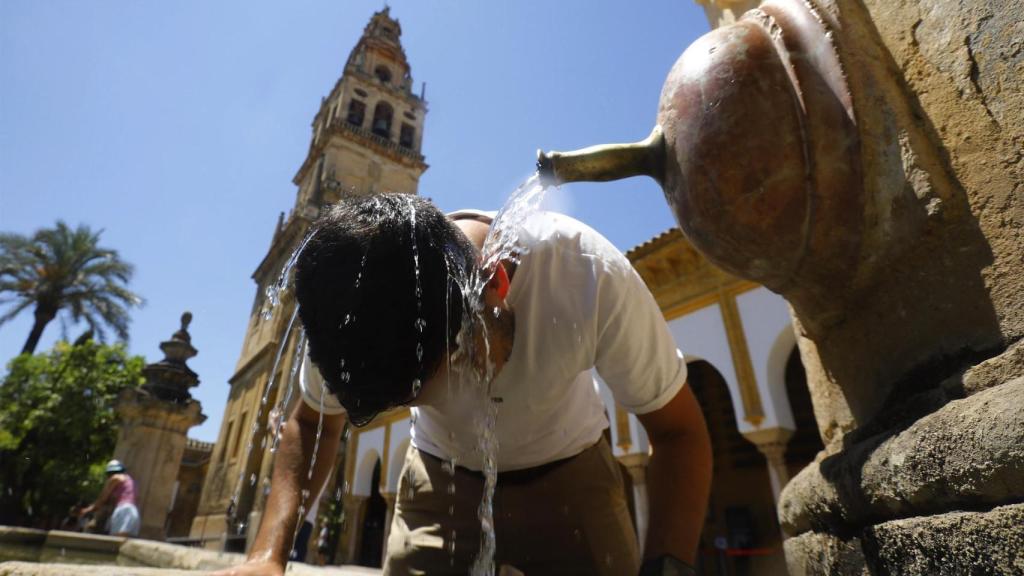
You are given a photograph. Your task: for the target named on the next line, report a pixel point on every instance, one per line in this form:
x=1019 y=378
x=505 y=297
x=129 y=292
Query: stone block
x=817 y=553
x=18 y=535
x=970 y=453
x=82 y=541
x=166 y=555
x=34 y=569
x=995 y=371
x=954 y=543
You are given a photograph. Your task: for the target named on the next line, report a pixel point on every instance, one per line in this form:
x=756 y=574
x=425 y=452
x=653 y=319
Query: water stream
x=500 y=245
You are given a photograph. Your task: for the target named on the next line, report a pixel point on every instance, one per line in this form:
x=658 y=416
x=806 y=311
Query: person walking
x=117 y=499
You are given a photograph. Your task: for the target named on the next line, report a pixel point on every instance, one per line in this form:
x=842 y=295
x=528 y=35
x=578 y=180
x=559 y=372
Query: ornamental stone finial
x=170 y=378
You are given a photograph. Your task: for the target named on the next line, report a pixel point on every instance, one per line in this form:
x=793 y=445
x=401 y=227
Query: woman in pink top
x=118 y=495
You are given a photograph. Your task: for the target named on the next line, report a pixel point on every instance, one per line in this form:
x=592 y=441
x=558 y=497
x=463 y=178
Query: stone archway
x=740 y=535
x=371 y=545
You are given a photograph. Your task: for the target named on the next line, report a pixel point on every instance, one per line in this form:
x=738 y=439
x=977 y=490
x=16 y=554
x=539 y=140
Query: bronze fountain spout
x=605 y=162
x=756 y=148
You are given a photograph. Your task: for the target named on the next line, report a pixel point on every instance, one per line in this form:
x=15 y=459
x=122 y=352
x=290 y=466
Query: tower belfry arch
x=353 y=151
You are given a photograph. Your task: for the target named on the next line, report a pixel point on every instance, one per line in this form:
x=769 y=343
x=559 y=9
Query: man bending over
x=378 y=290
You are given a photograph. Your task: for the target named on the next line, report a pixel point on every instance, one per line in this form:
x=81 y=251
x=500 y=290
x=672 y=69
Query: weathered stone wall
x=918 y=389
x=892 y=499
x=937 y=90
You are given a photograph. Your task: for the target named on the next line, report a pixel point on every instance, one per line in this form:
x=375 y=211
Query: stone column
x=155 y=419
x=772 y=443
x=390 y=498
x=353 y=507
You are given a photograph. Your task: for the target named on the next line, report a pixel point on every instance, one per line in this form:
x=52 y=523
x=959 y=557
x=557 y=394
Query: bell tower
x=367 y=133
x=366 y=138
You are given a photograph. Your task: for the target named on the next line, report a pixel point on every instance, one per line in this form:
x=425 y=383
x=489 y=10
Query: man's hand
x=678 y=477
x=269 y=553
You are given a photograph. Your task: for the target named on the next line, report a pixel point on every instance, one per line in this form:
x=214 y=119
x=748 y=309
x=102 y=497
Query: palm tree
x=60 y=269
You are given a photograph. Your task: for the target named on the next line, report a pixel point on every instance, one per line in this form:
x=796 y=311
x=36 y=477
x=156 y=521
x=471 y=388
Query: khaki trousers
x=569 y=517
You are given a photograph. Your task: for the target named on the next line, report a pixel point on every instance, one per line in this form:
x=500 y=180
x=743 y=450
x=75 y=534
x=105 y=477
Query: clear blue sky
x=176 y=128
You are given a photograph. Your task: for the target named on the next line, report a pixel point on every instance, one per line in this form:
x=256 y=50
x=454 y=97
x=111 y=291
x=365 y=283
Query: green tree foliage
x=64 y=270
x=58 y=427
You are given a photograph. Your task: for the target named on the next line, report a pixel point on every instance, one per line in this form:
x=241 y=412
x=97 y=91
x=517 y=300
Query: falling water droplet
x=451 y=488
x=416 y=384
x=451 y=510
x=345 y=376
x=419 y=351
x=252 y=479
x=420 y=324
x=496 y=311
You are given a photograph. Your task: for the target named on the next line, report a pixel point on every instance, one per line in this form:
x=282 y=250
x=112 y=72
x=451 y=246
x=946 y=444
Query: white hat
x=114 y=466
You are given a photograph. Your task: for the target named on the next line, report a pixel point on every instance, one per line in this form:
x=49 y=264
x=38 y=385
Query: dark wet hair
x=375 y=331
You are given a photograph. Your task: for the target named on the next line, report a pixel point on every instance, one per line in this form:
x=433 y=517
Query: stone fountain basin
x=30 y=552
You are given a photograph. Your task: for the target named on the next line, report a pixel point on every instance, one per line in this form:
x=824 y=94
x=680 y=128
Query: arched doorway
x=371 y=548
x=740 y=526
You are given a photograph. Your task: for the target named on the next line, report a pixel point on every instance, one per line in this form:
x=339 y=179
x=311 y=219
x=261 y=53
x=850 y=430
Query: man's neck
x=501 y=330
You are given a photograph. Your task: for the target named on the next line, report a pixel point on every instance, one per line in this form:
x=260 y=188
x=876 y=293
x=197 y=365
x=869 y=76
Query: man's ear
x=499 y=281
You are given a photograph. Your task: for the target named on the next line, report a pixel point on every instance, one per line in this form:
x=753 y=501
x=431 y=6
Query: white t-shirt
x=578 y=305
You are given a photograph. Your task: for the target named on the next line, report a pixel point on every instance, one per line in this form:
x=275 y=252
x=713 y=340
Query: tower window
x=383 y=74
x=406 y=136
x=382 y=114
x=356 y=113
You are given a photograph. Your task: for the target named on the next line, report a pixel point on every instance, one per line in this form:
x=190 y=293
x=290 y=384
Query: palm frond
x=64 y=269
x=17 y=309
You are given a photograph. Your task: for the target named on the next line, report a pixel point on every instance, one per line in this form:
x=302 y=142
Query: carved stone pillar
x=390 y=498
x=155 y=419
x=772 y=443
x=353 y=507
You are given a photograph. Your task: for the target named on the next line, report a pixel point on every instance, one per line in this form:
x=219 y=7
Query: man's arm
x=678 y=477
x=269 y=553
